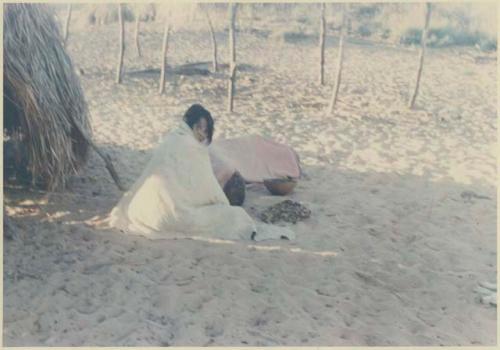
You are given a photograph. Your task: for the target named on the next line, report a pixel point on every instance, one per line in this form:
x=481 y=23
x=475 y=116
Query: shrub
x=449 y=36
x=365 y=30
x=295 y=37
x=488 y=44
x=412 y=36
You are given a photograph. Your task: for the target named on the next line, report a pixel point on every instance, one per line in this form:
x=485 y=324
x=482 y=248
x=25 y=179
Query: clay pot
x=280 y=186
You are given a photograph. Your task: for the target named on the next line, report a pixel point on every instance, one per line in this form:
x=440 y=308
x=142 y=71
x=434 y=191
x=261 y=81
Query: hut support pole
x=104 y=156
x=428 y=9
x=122 y=46
x=66 y=24
x=338 y=75
x=232 y=57
x=136 y=36
x=214 y=43
x=164 y=51
x=322 y=31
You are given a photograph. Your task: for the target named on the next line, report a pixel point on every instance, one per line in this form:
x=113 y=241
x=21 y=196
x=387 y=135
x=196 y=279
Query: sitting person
x=178 y=195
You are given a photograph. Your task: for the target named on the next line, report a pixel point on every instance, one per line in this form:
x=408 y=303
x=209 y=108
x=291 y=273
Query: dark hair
x=193 y=116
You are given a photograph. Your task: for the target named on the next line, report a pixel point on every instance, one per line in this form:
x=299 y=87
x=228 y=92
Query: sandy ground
x=403 y=224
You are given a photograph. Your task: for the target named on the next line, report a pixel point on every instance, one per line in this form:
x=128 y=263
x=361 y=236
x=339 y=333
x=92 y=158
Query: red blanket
x=255 y=157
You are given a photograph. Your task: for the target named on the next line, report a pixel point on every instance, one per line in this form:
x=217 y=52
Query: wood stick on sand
x=428 y=10
x=214 y=43
x=232 y=57
x=231 y=86
x=322 y=35
x=338 y=75
x=164 y=51
x=66 y=24
x=119 y=69
x=136 y=35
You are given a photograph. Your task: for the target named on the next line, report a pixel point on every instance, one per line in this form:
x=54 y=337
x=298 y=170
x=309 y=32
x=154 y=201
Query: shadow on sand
x=378 y=225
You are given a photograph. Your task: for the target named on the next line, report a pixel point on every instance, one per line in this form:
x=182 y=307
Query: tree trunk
x=322 y=31
x=164 y=51
x=214 y=43
x=411 y=103
x=66 y=25
x=232 y=57
x=338 y=75
x=137 y=44
x=122 y=45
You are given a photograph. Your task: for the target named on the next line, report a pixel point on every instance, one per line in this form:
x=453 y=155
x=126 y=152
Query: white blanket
x=177 y=195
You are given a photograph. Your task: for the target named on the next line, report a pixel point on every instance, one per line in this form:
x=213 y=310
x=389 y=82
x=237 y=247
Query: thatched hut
x=45 y=113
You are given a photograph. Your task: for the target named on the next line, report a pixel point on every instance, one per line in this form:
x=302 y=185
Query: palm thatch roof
x=43 y=98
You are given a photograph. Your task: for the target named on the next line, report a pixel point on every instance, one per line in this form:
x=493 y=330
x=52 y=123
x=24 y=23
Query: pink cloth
x=255 y=157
